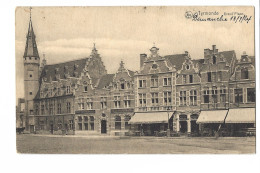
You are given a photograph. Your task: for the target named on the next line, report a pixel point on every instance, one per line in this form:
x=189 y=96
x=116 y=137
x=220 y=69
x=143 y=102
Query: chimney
x=142 y=59
x=214 y=50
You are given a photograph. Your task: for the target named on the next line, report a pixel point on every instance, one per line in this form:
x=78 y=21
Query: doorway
x=183 y=126
x=194 y=127
x=103 y=126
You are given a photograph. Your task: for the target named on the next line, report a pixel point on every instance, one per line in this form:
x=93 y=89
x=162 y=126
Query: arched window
x=244 y=73
x=117 y=122
x=127 y=126
x=214 y=59
x=91 y=123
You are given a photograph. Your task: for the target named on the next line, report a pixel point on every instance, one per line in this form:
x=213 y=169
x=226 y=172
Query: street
x=40 y=144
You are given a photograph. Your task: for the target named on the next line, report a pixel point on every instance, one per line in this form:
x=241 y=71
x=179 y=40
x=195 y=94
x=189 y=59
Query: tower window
x=30 y=75
x=30 y=93
x=214 y=59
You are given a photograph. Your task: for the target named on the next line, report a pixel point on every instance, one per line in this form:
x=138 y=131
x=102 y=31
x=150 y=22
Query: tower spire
x=31 y=46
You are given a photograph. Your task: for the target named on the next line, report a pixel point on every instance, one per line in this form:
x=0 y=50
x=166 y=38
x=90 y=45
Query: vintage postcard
x=135 y=80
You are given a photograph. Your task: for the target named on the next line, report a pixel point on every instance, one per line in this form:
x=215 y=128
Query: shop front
x=151 y=123
x=211 y=121
x=241 y=122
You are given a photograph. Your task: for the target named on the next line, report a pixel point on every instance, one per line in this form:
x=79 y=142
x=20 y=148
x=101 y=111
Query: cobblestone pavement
x=27 y=143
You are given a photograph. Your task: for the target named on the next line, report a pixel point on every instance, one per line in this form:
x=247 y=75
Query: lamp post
x=168 y=129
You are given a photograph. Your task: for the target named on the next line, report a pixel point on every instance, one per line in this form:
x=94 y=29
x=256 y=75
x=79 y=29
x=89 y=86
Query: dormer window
x=122 y=86
x=244 y=73
x=154 y=66
x=85 y=88
x=187 y=67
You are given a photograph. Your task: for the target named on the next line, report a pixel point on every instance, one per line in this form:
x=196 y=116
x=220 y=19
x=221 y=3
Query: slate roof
x=176 y=60
x=63 y=70
x=228 y=55
x=30 y=46
x=105 y=80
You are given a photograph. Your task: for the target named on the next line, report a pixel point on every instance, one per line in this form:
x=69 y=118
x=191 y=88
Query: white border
x=11 y=162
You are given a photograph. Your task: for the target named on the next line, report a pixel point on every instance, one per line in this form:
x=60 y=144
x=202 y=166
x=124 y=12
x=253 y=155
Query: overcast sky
x=122 y=33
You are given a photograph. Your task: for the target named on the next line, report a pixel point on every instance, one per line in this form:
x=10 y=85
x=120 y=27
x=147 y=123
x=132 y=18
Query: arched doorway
x=103 y=126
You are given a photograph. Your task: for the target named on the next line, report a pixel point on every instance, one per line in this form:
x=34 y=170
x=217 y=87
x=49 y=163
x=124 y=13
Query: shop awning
x=214 y=116
x=150 y=118
x=241 y=115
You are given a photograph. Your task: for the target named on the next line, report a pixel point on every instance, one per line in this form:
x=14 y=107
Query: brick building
x=172 y=93
x=105 y=108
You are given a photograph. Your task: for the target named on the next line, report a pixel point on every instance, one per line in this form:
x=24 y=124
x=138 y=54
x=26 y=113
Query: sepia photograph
x=135 y=80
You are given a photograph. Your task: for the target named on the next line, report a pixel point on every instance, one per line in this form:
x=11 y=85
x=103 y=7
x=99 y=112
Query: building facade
x=169 y=94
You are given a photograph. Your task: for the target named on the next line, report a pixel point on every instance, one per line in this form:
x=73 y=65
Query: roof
x=31 y=46
x=252 y=59
x=63 y=70
x=176 y=60
x=105 y=80
x=228 y=55
x=198 y=62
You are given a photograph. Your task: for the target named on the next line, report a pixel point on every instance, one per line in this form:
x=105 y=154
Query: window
x=37 y=110
x=70 y=124
x=81 y=106
x=85 y=123
x=30 y=75
x=223 y=93
x=85 y=88
x=31 y=112
x=209 y=77
x=191 y=78
x=214 y=59
x=51 y=109
x=117 y=101
x=89 y=103
x=238 y=95
x=187 y=67
x=127 y=101
x=59 y=92
x=182 y=98
x=250 y=94
x=103 y=102
x=206 y=95
x=184 y=78
x=122 y=86
x=142 y=100
x=142 y=83
x=91 y=122
x=42 y=109
x=41 y=124
x=30 y=93
x=59 y=125
x=155 y=99
x=50 y=92
x=167 y=97
x=59 y=108
x=214 y=94
x=128 y=85
x=193 y=97
x=117 y=122
x=213 y=77
x=115 y=86
x=167 y=81
x=154 y=81
x=127 y=125
x=80 y=123
x=220 y=76
x=68 y=107
x=244 y=73
x=68 y=90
